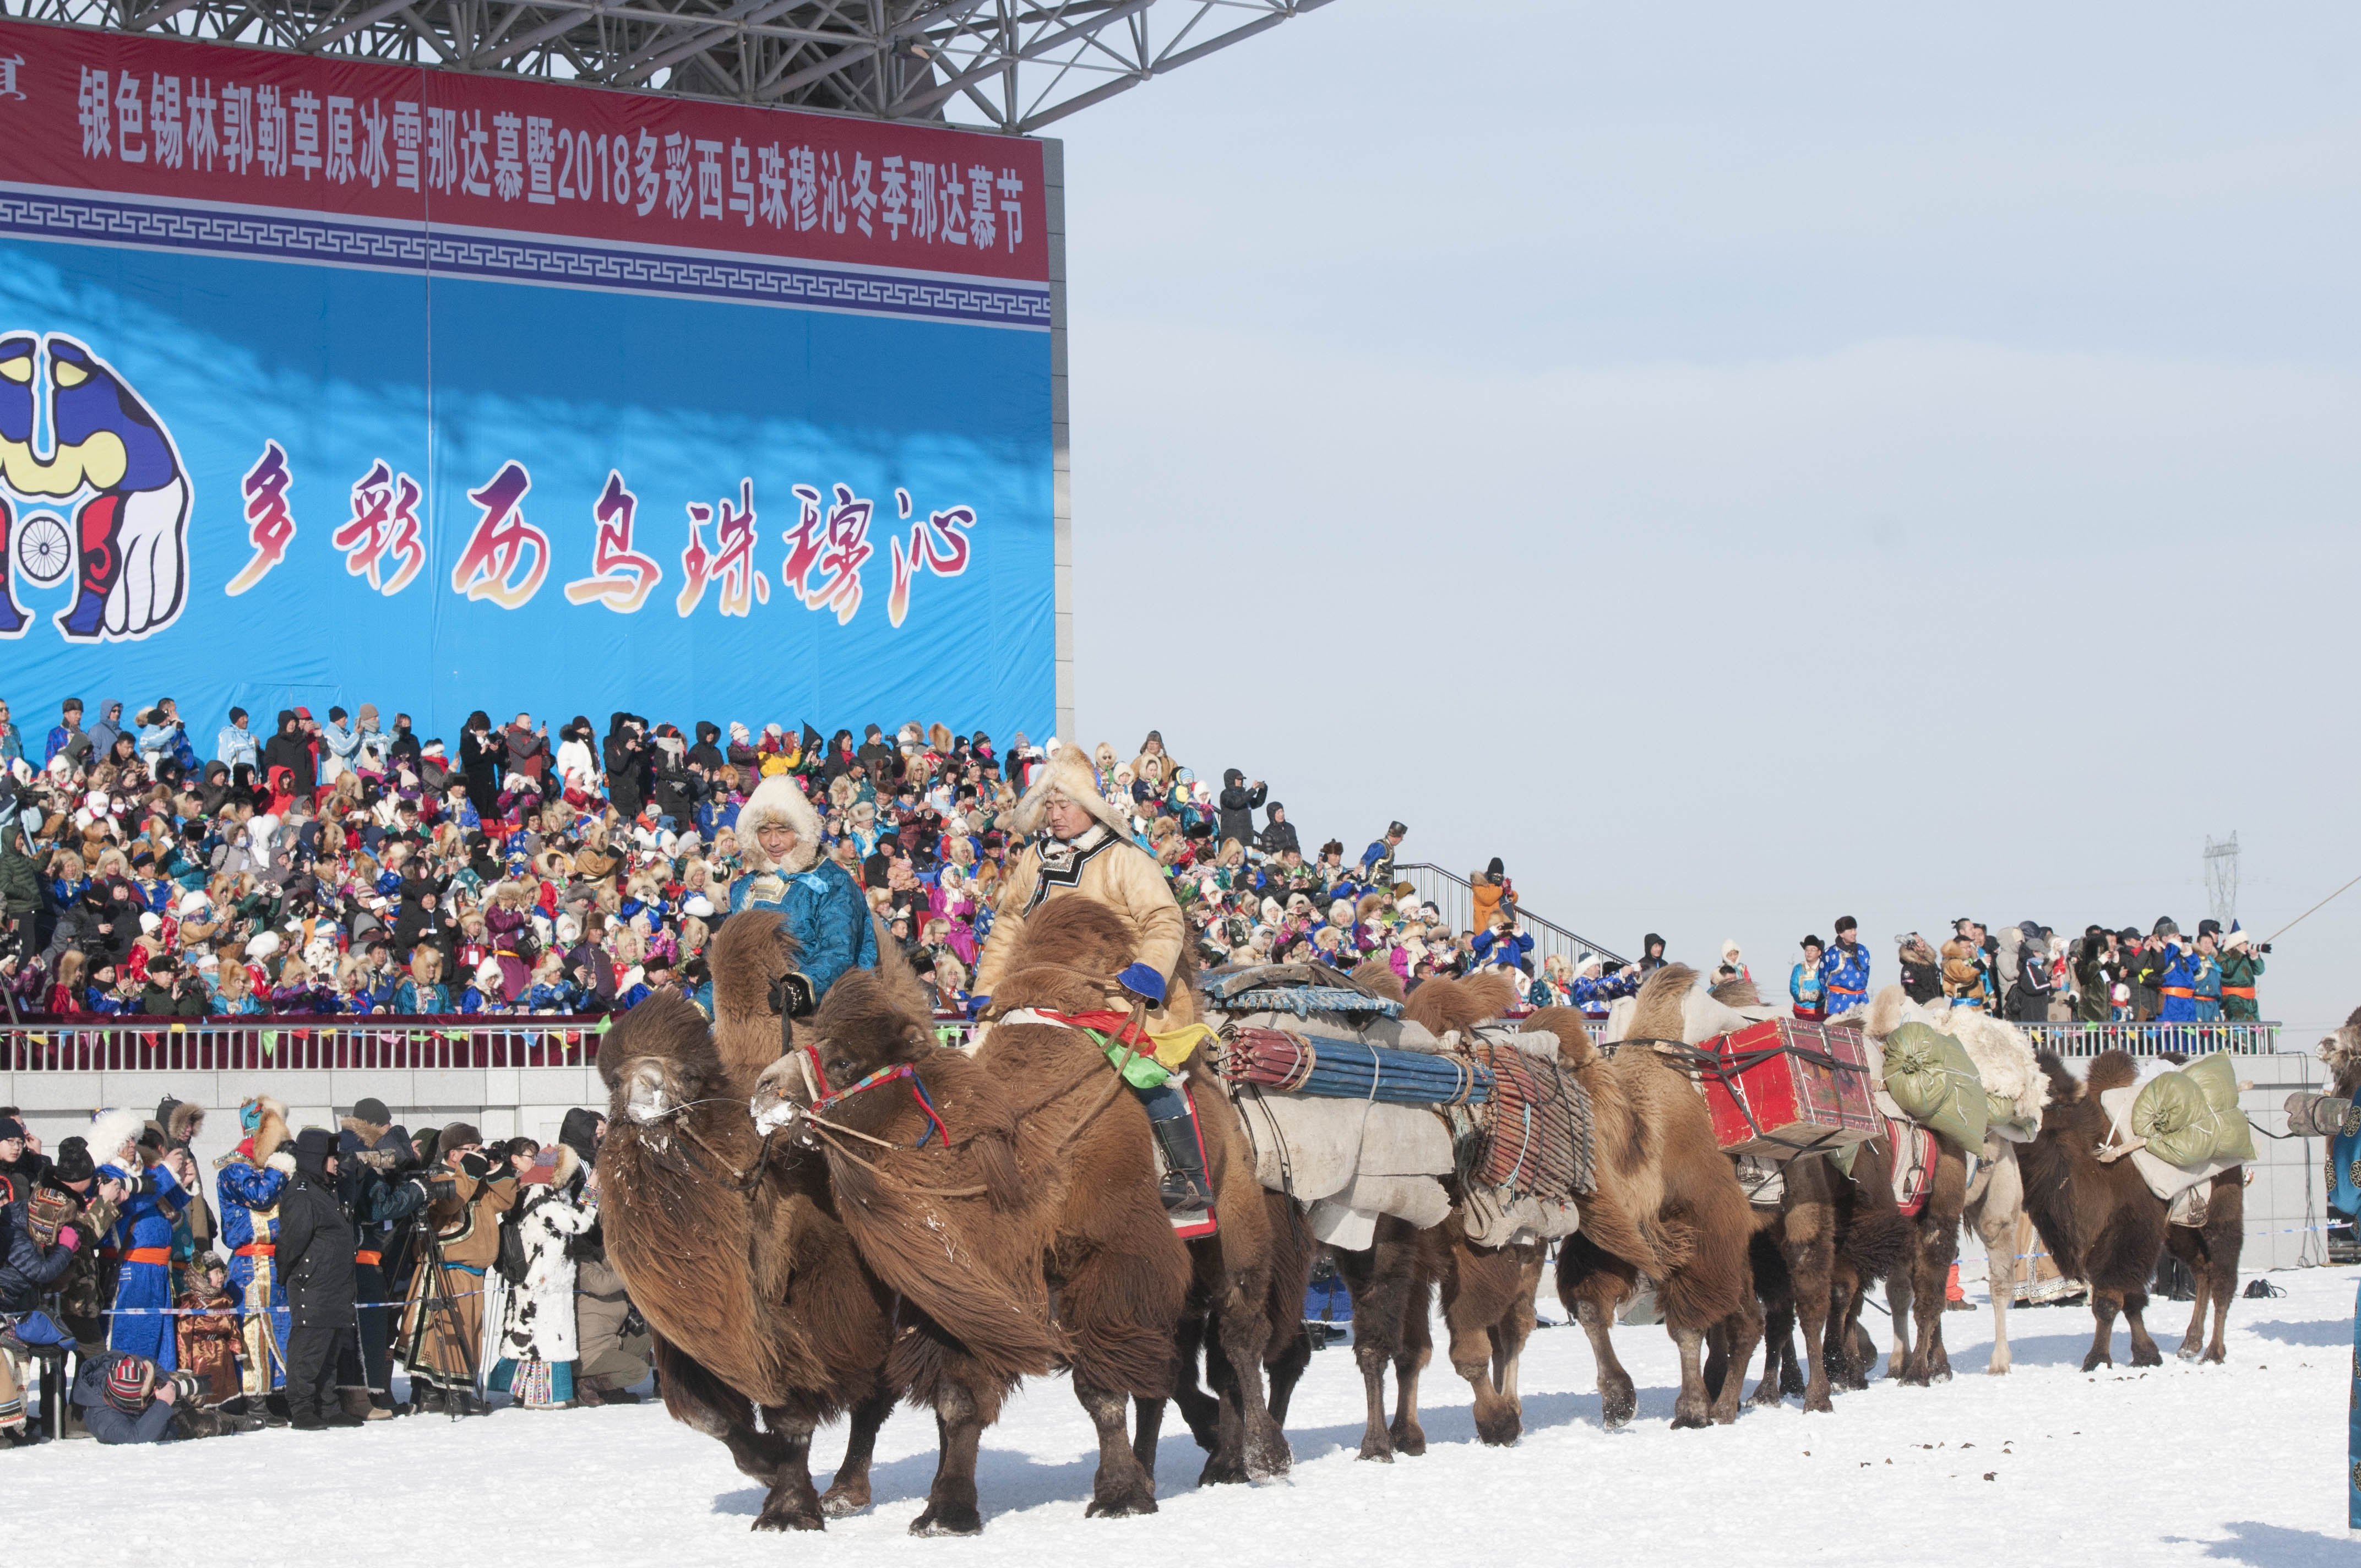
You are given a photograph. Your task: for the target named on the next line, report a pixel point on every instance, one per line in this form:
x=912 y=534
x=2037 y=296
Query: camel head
x=867 y=1024
x=657 y=1059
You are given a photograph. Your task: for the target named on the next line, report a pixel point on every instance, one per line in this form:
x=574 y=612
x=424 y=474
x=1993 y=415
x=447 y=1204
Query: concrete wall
x=2284 y=1208
x=501 y=1103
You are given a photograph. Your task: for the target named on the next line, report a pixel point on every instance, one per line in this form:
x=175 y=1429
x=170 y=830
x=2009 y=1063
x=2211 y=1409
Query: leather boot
x=357 y=1405
x=1188 y=1196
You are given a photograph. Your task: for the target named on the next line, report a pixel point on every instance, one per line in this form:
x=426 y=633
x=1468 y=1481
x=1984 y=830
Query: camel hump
x=753 y=948
x=1573 y=1031
x=1462 y=1003
x=1073 y=931
x=1661 y=1010
x=1376 y=975
x=665 y=1024
x=1737 y=993
x=2112 y=1069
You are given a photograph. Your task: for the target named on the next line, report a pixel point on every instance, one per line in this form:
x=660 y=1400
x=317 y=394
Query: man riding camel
x=1080 y=843
x=781 y=869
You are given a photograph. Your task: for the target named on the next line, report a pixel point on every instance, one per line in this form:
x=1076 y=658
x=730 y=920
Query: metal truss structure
x=1004 y=65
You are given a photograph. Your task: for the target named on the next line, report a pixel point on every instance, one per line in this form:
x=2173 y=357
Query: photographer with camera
x=124 y=1397
x=2242 y=965
x=443 y=1321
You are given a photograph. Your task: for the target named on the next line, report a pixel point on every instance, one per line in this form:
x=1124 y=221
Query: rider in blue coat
x=782 y=869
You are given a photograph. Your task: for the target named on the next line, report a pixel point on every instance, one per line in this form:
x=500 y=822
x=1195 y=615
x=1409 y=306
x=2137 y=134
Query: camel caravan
x=823 y=1214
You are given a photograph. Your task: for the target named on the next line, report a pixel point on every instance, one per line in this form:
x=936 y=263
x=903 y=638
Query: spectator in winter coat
x=1489 y=891
x=540 y=1347
x=2242 y=965
x=1844 y=969
x=342 y=744
x=1804 y=987
x=67 y=738
x=1651 y=954
x=1963 y=975
x=103 y=734
x=2175 y=969
x=2028 y=999
x=290 y=749
x=1239 y=801
x=236 y=744
x=249 y=1182
x=1502 y=943
x=2205 y=969
x=1922 y=971
x=315 y=1257
x=1279 y=836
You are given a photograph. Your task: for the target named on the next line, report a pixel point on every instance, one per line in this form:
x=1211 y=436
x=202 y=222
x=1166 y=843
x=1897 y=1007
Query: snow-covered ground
x=2241 y=1464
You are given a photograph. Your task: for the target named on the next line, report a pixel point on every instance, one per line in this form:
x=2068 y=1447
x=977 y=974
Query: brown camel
x=1487 y=1293
x=2104 y=1227
x=1668 y=1206
x=1046 y=1183
x=755 y=1293
x=1814 y=1256
x=1829 y=1232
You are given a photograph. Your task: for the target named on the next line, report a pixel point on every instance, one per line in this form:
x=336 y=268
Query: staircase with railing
x=1455 y=897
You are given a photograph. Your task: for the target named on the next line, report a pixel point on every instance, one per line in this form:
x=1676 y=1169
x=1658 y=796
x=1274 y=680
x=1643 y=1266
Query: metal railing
x=2154 y=1039
x=1455 y=895
x=299 y=1044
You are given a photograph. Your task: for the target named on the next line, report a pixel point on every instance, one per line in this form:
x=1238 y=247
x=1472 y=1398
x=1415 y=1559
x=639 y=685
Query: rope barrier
x=242 y=1312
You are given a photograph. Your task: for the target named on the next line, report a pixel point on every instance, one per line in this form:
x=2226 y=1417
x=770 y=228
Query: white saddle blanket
x=1353 y=1155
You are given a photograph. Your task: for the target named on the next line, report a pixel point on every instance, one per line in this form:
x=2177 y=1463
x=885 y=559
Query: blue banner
x=266 y=455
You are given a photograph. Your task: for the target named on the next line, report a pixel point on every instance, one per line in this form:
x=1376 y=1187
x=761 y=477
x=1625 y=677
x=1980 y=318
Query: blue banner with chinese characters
x=445 y=392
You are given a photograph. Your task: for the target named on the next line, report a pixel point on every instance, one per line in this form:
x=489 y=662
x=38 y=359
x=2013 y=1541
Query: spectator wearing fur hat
x=249 y=1180
x=1922 y=970
x=2242 y=966
x=143 y=1236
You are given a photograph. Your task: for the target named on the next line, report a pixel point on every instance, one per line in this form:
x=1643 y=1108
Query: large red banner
x=196 y=122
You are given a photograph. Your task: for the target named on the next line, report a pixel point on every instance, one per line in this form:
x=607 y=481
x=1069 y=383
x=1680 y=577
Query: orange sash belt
x=256 y=1249
x=2246 y=991
x=2179 y=990
x=371 y=1258
x=158 y=1255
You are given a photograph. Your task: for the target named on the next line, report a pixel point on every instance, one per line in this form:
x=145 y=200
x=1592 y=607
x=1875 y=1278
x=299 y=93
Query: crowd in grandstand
x=336 y=864
x=340 y=865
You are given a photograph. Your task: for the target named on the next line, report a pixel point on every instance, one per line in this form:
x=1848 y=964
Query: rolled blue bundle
x=1347 y=1070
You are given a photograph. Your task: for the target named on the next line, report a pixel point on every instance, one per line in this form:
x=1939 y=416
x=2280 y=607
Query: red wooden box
x=1788 y=1087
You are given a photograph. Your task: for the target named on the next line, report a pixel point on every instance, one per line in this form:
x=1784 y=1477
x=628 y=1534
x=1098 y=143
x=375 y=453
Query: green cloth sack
x=1932 y=1079
x=2001 y=1112
x=2190 y=1118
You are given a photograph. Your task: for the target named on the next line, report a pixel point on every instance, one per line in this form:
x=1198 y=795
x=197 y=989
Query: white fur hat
x=489 y=972
x=264 y=944
x=1068 y=774
x=778 y=799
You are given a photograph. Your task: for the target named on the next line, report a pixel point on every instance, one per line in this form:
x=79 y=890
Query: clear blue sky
x=1747 y=465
